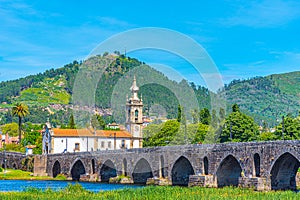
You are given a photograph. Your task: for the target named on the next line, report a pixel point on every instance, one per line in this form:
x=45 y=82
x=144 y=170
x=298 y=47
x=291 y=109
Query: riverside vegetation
x=150 y=192
x=12 y=174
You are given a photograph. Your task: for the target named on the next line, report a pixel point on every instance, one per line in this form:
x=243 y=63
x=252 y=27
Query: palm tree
x=21 y=110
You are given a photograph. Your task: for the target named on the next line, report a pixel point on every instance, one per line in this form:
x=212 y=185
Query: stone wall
x=13 y=160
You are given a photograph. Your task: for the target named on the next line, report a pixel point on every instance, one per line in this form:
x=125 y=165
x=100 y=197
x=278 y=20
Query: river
x=21 y=185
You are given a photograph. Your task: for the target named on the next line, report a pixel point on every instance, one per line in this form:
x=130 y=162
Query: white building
x=82 y=140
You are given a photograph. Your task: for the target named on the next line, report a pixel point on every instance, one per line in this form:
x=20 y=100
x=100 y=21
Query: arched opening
x=107 y=171
x=283 y=173
x=93 y=166
x=136 y=115
x=229 y=172
x=142 y=171
x=256 y=165
x=124 y=167
x=14 y=166
x=162 y=167
x=77 y=170
x=56 y=169
x=181 y=171
x=205 y=165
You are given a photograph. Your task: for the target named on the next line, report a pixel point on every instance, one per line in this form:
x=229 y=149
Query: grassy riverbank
x=12 y=174
x=151 y=192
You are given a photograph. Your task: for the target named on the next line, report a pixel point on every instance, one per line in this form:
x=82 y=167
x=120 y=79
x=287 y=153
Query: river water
x=21 y=185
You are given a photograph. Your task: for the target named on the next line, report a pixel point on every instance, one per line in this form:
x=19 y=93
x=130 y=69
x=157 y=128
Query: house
x=6 y=139
x=29 y=149
x=113 y=126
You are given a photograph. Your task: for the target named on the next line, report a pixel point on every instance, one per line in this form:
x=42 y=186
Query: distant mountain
x=266 y=98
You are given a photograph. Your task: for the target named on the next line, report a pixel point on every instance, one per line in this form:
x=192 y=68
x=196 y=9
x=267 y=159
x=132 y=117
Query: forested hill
x=266 y=98
x=51 y=92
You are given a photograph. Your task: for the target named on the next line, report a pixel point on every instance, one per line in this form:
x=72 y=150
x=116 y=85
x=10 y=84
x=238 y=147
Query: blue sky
x=244 y=38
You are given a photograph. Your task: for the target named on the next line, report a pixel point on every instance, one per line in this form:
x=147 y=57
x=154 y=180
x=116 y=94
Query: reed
x=150 y=192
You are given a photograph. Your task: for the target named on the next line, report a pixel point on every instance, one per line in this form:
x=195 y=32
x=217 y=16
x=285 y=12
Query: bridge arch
x=228 y=172
x=56 y=169
x=181 y=171
x=205 y=165
x=283 y=172
x=14 y=166
x=142 y=171
x=77 y=169
x=107 y=171
x=256 y=165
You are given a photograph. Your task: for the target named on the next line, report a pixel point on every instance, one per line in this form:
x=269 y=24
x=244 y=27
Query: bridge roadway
x=260 y=165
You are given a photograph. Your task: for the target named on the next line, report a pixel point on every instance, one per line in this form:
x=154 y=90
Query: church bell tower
x=134 y=112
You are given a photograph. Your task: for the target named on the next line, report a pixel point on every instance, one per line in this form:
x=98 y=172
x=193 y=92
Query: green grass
x=150 y=192
x=50 y=90
x=12 y=174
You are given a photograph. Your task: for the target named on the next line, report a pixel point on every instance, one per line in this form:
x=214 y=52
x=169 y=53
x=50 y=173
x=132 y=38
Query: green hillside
x=50 y=94
x=266 y=98
x=48 y=91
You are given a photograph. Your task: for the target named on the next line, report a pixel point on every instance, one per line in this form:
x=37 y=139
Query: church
x=57 y=140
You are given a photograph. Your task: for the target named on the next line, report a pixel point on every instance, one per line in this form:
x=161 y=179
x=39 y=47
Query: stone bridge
x=260 y=165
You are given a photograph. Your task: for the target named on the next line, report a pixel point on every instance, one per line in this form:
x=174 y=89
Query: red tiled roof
x=90 y=133
x=31 y=146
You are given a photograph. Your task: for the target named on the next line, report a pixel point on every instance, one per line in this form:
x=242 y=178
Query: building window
x=109 y=144
x=102 y=144
x=123 y=144
x=77 y=147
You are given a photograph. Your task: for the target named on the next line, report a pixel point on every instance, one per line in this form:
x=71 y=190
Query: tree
x=267 y=136
x=239 y=127
x=291 y=129
x=98 y=122
x=179 y=113
x=191 y=134
x=72 y=122
x=20 y=110
x=11 y=129
x=165 y=134
x=205 y=117
x=235 y=108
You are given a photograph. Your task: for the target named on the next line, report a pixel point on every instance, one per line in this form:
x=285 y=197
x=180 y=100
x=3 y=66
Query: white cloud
x=269 y=13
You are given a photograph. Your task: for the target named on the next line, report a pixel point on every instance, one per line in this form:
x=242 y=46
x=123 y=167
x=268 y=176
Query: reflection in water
x=21 y=185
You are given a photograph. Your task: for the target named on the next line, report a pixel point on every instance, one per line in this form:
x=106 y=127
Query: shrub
x=61 y=177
